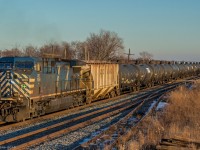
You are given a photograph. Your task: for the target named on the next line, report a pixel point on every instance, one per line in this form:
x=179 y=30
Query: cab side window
x=48 y=66
x=38 y=67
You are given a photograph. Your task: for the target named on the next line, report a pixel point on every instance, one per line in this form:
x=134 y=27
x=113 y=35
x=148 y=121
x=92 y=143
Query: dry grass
x=181 y=118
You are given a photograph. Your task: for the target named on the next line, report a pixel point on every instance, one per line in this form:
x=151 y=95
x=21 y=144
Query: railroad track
x=22 y=140
x=109 y=138
x=37 y=136
x=2 y=124
x=6 y=126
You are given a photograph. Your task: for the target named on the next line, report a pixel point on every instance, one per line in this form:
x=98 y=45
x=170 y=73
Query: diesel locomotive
x=31 y=87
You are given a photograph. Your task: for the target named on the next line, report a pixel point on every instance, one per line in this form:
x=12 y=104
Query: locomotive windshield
x=24 y=64
x=6 y=65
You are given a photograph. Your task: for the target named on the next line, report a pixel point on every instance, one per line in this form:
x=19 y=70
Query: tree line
x=104 y=46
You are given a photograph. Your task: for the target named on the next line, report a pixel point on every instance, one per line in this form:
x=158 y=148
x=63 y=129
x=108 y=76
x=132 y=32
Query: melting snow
x=161 y=105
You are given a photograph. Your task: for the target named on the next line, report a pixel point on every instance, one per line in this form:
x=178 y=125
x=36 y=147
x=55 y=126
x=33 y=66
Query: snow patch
x=161 y=105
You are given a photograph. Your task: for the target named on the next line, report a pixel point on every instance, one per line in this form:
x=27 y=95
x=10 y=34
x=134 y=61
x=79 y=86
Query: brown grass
x=181 y=118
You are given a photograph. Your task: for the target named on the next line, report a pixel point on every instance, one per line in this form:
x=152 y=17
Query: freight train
x=31 y=87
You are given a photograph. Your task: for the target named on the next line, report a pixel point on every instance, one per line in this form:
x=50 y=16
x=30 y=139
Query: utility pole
x=65 y=53
x=129 y=54
x=52 y=50
x=87 y=56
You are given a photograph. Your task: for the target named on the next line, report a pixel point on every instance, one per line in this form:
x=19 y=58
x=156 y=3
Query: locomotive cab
x=14 y=77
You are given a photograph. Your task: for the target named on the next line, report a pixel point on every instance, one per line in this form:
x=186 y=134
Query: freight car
x=31 y=87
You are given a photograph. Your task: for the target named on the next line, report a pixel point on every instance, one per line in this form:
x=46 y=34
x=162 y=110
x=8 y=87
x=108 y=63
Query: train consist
x=31 y=87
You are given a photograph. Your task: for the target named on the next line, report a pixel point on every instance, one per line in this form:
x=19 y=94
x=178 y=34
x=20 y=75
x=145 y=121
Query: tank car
x=129 y=77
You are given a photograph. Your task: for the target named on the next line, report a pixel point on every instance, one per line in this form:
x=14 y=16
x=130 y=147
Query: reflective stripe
x=31 y=80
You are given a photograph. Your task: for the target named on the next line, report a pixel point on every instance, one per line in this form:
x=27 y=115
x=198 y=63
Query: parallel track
x=57 y=129
x=110 y=136
x=6 y=126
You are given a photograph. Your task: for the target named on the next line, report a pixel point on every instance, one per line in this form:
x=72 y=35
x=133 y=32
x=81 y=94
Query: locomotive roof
x=13 y=59
x=39 y=59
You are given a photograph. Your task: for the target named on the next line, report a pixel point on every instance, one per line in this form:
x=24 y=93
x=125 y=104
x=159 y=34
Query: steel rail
x=2 y=143
x=156 y=94
x=69 y=129
x=72 y=110
x=59 y=124
x=72 y=128
x=148 y=113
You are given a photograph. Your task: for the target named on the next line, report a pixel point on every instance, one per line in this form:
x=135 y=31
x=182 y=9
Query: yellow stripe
x=31 y=80
x=31 y=86
x=19 y=88
x=3 y=88
x=27 y=90
x=25 y=76
x=3 y=76
x=7 y=90
x=30 y=91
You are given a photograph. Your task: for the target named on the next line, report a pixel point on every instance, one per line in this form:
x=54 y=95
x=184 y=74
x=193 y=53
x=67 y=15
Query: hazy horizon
x=167 y=29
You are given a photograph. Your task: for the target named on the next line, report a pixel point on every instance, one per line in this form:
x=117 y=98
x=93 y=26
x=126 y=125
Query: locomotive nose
x=5 y=83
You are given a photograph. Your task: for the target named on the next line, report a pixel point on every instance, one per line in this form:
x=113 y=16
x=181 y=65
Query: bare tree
x=51 y=50
x=12 y=52
x=67 y=51
x=145 y=56
x=78 y=49
x=104 y=46
x=31 y=51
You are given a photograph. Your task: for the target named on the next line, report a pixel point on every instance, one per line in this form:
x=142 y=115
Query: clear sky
x=169 y=29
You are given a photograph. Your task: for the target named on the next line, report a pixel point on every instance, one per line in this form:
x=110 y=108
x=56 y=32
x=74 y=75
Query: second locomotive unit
x=31 y=87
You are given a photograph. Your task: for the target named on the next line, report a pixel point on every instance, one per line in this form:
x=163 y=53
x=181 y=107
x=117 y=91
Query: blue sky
x=169 y=29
